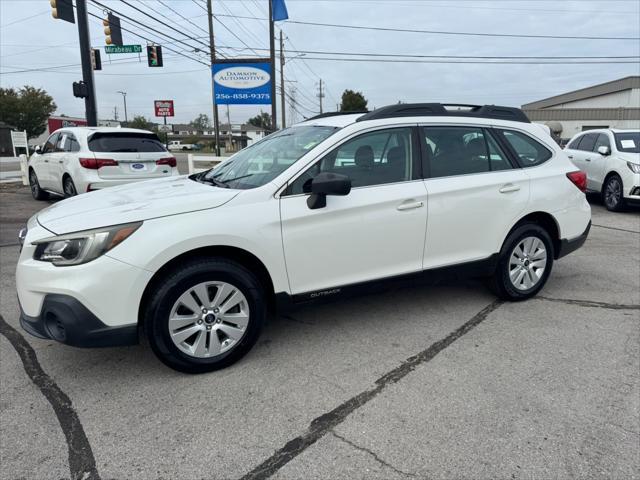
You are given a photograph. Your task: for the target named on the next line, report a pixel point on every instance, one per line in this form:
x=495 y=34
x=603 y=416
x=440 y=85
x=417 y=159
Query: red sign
x=164 y=108
x=56 y=123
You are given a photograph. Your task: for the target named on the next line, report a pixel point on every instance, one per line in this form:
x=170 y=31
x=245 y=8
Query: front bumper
x=66 y=320
x=568 y=246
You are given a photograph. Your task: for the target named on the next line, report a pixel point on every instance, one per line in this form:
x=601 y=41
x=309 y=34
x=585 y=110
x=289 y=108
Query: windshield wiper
x=226 y=182
x=211 y=181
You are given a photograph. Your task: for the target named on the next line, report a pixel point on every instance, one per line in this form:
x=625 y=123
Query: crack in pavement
x=589 y=303
x=325 y=423
x=82 y=464
x=374 y=455
x=615 y=228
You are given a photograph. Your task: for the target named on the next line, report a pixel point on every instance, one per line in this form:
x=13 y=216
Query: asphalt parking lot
x=429 y=383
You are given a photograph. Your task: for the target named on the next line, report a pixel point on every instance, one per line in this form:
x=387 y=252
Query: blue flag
x=279 y=10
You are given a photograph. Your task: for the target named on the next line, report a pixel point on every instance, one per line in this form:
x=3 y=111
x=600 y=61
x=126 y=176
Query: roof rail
x=333 y=114
x=441 y=110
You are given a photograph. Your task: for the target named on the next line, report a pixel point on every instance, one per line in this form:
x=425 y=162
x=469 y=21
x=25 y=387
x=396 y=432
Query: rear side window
x=462 y=151
x=588 y=142
x=528 y=151
x=573 y=144
x=125 y=142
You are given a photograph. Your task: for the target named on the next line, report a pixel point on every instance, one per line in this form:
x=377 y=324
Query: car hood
x=131 y=203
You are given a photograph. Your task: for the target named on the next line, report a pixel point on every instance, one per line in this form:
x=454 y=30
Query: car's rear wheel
x=525 y=263
x=36 y=192
x=612 y=196
x=69 y=187
x=206 y=315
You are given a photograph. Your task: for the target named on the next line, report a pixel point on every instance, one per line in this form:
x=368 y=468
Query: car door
x=597 y=163
x=57 y=160
x=573 y=152
x=475 y=193
x=376 y=231
x=42 y=162
x=584 y=155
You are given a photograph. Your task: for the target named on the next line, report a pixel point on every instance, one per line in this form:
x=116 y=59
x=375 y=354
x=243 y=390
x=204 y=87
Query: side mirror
x=604 y=150
x=325 y=184
x=38 y=149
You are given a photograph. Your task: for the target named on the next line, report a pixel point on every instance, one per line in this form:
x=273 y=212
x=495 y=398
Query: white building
x=614 y=104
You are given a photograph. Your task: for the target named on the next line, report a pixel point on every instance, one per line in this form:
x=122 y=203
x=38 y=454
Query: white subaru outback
x=334 y=205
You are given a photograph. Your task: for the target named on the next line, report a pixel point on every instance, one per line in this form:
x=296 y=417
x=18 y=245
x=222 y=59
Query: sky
x=37 y=50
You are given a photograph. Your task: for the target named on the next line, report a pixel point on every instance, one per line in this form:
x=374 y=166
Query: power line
x=25 y=18
x=511 y=62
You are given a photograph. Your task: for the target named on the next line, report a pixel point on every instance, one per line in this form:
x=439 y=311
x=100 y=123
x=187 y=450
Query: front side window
x=125 y=142
x=462 y=151
x=602 y=141
x=260 y=163
x=375 y=158
x=628 y=142
x=528 y=151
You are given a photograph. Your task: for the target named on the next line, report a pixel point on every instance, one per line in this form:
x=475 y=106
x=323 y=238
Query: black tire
x=69 y=188
x=36 y=192
x=180 y=280
x=500 y=283
x=612 y=193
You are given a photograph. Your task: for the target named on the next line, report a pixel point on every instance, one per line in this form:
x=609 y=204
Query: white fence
x=205 y=162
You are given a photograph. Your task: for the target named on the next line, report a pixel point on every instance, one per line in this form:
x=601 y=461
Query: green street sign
x=123 y=49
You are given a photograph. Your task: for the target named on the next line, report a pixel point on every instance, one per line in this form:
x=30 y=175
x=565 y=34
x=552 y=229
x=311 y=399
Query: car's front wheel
x=205 y=315
x=36 y=192
x=525 y=263
x=612 y=193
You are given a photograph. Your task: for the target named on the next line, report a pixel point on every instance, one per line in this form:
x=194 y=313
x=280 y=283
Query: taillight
x=171 y=161
x=579 y=179
x=96 y=163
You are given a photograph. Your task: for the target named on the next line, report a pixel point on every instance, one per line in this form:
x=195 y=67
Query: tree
x=201 y=123
x=139 y=121
x=353 y=102
x=261 y=121
x=26 y=109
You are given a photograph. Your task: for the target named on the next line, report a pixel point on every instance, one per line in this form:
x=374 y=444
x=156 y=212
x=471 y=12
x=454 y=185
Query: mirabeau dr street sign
x=123 y=49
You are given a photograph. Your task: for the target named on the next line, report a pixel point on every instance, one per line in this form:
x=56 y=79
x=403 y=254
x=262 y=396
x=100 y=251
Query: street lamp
x=124 y=98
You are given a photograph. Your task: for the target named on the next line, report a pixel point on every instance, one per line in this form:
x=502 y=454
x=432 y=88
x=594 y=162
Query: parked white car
x=80 y=159
x=178 y=145
x=611 y=160
x=344 y=203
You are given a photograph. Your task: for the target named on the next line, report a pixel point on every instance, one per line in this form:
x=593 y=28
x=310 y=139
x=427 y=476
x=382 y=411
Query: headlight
x=82 y=247
x=634 y=167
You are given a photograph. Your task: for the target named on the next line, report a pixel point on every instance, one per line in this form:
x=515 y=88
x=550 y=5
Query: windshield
x=628 y=142
x=260 y=163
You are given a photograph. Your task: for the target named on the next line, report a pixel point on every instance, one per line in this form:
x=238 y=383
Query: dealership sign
x=242 y=83
x=163 y=108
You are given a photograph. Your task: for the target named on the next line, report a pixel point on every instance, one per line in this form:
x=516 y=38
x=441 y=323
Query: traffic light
x=96 y=62
x=112 y=30
x=62 y=10
x=80 y=89
x=154 y=55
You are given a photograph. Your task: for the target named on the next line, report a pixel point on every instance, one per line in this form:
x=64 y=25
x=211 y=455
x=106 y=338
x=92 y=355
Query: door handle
x=587 y=159
x=570 y=157
x=46 y=161
x=410 y=206
x=509 y=187
x=60 y=161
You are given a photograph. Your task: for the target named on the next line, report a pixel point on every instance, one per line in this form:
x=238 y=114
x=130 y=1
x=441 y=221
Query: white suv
x=330 y=206
x=81 y=159
x=611 y=160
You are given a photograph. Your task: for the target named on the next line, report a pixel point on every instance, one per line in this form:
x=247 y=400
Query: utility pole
x=282 y=89
x=91 y=111
x=216 y=122
x=293 y=118
x=320 y=95
x=115 y=113
x=230 y=130
x=124 y=98
x=272 y=49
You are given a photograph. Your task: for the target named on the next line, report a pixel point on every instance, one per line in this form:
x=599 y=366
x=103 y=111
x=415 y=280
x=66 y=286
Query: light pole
x=124 y=98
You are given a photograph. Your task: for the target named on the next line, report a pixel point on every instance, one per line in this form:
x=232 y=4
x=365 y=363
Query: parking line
x=324 y=424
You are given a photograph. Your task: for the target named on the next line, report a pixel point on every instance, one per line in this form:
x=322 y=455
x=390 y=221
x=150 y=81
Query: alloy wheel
x=69 y=189
x=33 y=183
x=613 y=193
x=527 y=263
x=209 y=319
